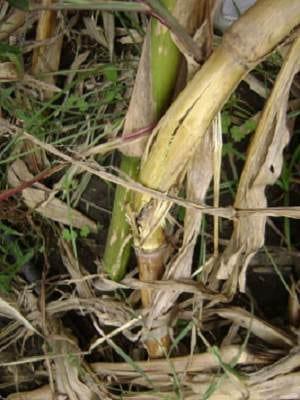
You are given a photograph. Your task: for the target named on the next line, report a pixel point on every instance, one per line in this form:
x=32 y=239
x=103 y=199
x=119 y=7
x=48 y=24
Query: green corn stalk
x=117 y=249
x=164 y=61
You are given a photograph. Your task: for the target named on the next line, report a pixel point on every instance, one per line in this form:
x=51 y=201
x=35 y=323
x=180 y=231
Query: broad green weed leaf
x=69 y=235
x=110 y=72
x=238 y=133
x=85 y=231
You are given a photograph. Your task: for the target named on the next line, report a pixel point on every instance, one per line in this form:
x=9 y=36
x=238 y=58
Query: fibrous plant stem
x=119 y=241
x=180 y=131
x=164 y=59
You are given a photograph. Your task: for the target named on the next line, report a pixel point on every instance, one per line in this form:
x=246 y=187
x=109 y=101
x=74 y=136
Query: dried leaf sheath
x=262 y=168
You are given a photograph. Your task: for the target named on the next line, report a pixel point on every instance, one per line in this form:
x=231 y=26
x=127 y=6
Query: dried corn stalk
x=182 y=128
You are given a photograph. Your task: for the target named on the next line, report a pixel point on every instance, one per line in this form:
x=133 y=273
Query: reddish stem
x=139 y=132
x=5 y=194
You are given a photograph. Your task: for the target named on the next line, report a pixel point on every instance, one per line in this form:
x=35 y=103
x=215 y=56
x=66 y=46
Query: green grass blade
x=93 y=5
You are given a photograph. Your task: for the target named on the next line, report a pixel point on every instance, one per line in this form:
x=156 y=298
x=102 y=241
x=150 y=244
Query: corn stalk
x=178 y=133
x=157 y=71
